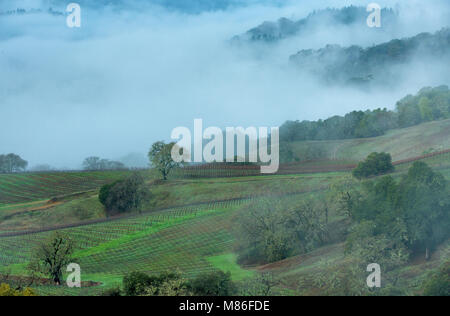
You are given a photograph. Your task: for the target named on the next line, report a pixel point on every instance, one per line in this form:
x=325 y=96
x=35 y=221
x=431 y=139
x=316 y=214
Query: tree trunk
x=57 y=280
x=427 y=254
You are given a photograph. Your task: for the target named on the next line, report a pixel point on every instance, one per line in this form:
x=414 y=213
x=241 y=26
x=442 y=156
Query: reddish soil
x=215 y=170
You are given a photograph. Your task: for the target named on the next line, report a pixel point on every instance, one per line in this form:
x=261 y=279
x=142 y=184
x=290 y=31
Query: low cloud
x=128 y=77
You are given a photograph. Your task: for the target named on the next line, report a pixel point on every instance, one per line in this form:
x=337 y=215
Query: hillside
x=358 y=65
x=323 y=271
x=199 y=237
x=29 y=187
x=33 y=201
x=189 y=223
x=271 y=32
x=400 y=143
x=244 y=149
x=84 y=206
x=194 y=240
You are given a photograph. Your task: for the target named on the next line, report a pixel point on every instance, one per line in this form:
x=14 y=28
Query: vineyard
x=402 y=143
x=187 y=228
x=22 y=188
x=444 y=153
x=167 y=213
x=438 y=160
x=215 y=170
x=193 y=193
x=181 y=238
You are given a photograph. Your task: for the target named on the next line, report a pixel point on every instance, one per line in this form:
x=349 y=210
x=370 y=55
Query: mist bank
x=128 y=77
x=380 y=64
x=184 y=6
x=351 y=17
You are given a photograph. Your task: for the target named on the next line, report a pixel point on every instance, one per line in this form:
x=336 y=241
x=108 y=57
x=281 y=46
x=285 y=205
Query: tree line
x=12 y=163
x=97 y=164
x=428 y=105
x=385 y=220
x=400 y=218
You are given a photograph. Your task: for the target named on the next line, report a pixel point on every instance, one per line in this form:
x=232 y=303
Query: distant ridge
x=270 y=32
x=357 y=65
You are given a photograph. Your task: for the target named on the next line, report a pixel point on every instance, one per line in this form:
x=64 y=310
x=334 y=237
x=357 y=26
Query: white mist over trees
x=135 y=71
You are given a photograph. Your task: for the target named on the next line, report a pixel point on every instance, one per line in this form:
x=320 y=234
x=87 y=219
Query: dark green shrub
x=105 y=190
x=215 y=283
x=138 y=283
x=115 y=291
x=439 y=283
x=135 y=283
x=412 y=211
x=374 y=165
x=123 y=196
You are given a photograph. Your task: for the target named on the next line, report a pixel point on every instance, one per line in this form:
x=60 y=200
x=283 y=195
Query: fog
x=134 y=72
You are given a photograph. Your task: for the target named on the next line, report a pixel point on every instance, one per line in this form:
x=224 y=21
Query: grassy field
x=400 y=143
x=186 y=226
x=189 y=240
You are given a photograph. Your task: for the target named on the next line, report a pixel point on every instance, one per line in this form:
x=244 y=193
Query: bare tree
x=52 y=256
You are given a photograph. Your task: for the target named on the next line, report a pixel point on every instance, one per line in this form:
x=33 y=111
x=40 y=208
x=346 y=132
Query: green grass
x=400 y=143
x=152 y=243
x=179 y=192
x=227 y=263
x=127 y=238
x=439 y=163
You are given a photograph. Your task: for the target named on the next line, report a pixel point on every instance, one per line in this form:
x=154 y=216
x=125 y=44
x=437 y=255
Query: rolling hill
x=400 y=143
x=189 y=223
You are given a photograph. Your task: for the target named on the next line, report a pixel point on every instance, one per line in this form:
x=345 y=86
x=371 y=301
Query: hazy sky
x=129 y=76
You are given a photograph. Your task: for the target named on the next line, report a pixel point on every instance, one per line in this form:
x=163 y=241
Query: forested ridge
x=428 y=105
x=270 y=32
x=358 y=65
